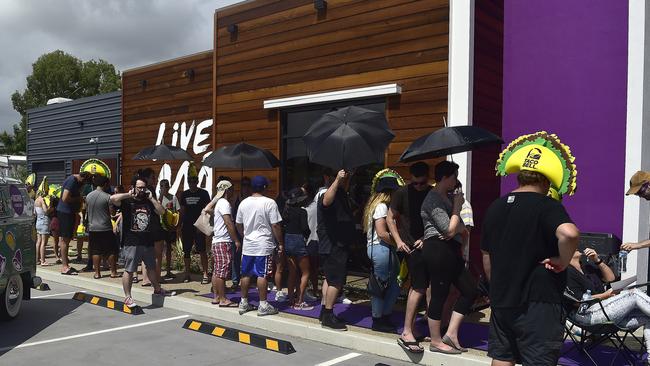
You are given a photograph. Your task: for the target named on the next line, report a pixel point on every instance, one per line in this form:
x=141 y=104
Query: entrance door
x=297 y=169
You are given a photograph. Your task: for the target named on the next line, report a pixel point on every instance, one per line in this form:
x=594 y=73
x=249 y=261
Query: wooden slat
x=334 y=29
x=342 y=82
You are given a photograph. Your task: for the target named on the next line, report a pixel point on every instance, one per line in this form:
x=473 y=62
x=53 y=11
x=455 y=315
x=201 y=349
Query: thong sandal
x=408 y=346
x=97 y=277
x=423 y=339
x=70 y=272
x=229 y=305
x=146 y=284
x=205 y=281
x=452 y=351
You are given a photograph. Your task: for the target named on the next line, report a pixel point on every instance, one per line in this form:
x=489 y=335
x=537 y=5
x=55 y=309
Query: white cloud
x=126 y=33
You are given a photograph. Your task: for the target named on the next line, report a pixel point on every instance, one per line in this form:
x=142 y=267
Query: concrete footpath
x=358 y=340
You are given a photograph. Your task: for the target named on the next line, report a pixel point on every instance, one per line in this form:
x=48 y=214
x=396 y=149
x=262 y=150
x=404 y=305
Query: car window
x=27 y=201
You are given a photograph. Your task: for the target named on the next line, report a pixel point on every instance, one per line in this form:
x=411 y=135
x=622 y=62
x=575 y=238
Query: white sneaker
x=266 y=310
x=243 y=309
x=309 y=297
x=280 y=296
x=343 y=300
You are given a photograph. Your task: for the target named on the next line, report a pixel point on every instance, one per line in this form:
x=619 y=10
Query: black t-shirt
x=335 y=223
x=294 y=221
x=519 y=232
x=408 y=202
x=137 y=219
x=193 y=202
x=578 y=283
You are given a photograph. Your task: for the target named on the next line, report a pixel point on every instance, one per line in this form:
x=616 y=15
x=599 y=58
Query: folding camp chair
x=593 y=335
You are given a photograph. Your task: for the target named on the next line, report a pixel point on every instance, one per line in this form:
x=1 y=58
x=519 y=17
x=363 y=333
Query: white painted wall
x=461 y=76
x=636 y=216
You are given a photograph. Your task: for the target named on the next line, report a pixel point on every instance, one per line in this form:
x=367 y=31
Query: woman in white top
x=169 y=202
x=41 y=209
x=381 y=251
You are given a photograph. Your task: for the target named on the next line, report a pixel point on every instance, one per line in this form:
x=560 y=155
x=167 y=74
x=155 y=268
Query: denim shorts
x=295 y=246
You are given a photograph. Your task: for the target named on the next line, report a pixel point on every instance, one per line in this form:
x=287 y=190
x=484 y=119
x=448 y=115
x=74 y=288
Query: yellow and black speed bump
x=107 y=303
x=255 y=340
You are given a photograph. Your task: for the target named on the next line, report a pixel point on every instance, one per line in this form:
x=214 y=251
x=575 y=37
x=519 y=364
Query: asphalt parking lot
x=55 y=329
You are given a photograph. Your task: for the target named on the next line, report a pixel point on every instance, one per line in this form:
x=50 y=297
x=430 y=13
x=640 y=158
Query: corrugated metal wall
x=60 y=133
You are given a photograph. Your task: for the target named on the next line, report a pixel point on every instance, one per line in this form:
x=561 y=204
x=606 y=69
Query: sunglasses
x=644 y=190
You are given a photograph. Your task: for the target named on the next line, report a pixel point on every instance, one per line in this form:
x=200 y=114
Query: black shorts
x=334 y=265
x=531 y=334
x=418 y=270
x=102 y=243
x=169 y=236
x=67 y=224
x=192 y=237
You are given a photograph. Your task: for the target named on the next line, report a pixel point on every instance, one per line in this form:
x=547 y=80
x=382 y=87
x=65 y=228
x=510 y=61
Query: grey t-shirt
x=99 y=214
x=436 y=212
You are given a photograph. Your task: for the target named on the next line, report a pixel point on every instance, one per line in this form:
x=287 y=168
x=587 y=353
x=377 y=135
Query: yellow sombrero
x=96 y=166
x=169 y=219
x=192 y=172
x=543 y=153
x=386 y=173
x=31 y=179
x=44 y=187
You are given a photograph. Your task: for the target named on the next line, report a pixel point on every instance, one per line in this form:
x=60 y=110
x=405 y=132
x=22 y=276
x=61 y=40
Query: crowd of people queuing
x=422 y=222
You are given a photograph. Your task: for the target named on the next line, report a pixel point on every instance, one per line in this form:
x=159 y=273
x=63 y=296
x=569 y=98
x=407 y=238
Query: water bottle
x=622 y=260
x=585 y=297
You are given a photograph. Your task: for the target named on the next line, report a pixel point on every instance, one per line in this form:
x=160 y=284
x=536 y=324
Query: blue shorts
x=257 y=266
x=294 y=245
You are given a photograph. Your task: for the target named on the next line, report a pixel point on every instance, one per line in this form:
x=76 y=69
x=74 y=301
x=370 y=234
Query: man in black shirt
x=406 y=227
x=528 y=241
x=139 y=210
x=335 y=230
x=192 y=202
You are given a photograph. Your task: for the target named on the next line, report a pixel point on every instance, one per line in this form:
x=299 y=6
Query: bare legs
x=295 y=264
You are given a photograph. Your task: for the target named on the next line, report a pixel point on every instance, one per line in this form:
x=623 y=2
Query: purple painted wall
x=565 y=71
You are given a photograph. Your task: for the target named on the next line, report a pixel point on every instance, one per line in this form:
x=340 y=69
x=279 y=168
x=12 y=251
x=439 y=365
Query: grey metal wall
x=60 y=133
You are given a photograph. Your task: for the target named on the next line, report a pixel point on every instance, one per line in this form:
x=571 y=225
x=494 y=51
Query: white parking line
x=53 y=295
x=3 y=349
x=349 y=356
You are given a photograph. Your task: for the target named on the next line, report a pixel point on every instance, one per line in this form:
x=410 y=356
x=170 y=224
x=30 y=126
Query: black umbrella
x=163 y=152
x=348 y=138
x=241 y=156
x=447 y=141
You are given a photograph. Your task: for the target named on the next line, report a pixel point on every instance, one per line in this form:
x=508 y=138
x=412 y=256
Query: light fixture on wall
x=320 y=5
x=95 y=141
x=143 y=84
x=233 y=29
x=189 y=73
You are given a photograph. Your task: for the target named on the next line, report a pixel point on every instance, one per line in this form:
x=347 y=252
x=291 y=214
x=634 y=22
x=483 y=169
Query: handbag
x=377 y=287
x=203 y=223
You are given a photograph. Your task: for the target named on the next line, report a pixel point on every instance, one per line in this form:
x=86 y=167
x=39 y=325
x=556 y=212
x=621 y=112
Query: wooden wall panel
x=171 y=97
x=285 y=48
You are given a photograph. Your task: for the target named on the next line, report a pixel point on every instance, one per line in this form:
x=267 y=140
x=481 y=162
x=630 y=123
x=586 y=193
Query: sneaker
x=280 y=296
x=163 y=292
x=332 y=322
x=303 y=306
x=309 y=297
x=243 y=309
x=379 y=325
x=266 y=310
x=129 y=302
x=343 y=300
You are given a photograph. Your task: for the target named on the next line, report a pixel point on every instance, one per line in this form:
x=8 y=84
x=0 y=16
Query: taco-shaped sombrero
x=96 y=166
x=543 y=153
x=31 y=179
x=384 y=174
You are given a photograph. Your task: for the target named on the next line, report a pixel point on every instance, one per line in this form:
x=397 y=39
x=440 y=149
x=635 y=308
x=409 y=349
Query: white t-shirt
x=381 y=211
x=312 y=215
x=257 y=214
x=221 y=234
x=170 y=204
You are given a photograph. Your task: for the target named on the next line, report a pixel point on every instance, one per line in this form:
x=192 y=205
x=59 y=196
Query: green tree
x=57 y=74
